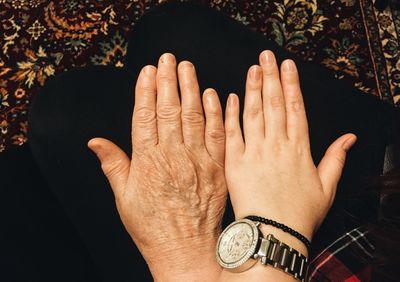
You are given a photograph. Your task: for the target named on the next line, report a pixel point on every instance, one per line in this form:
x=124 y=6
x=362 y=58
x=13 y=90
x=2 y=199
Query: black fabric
x=87 y=103
x=98 y=101
x=37 y=241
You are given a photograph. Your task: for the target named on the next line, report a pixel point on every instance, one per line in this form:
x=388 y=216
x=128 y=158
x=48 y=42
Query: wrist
x=286 y=238
x=293 y=222
x=279 y=252
x=261 y=272
x=281 y=226
x=189 y=263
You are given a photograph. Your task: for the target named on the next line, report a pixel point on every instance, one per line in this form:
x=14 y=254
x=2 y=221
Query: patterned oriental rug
x=40 y=38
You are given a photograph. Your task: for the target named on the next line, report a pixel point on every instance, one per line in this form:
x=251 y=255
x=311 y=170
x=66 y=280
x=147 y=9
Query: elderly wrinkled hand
x=171 y=194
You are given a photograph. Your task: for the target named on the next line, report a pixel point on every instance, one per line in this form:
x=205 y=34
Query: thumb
x=114 y=162
x=331 y=166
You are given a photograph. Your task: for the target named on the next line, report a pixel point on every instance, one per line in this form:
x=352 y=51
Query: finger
x=331 y=166
x=192 y=110
x=144 y=121
x=273 y=99
x=234 y=139
x=169 y=123
x=114 y=163
x=296 y=119
x=215 y=131
x=253 y=118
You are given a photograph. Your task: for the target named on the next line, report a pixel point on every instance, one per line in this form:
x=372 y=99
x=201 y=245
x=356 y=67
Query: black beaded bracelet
x=281 y=226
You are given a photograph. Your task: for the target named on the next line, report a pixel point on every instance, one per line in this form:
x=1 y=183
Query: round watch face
x=237 y=244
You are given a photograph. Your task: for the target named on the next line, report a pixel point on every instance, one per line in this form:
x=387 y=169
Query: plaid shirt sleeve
x=340 y=261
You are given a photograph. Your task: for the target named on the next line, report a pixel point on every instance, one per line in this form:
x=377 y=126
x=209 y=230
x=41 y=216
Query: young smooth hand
x=171 y=194
x=271 y=172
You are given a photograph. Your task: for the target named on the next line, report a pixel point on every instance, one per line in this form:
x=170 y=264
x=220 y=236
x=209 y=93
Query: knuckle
x=166 y=78
x=213 y=113
x=252 y=112
x=146 y=88
x=330 y=151
x=230 y=132
x=291 y=80
x=194 y=117
x=300 y=149
x=270 y=71
x=295 y=106
x=188 y=86
x=276 y=147
x=253 y=86
x=168 y=112
x=340 y=158
x=140 y=141
x=276 y=102
x=217 y=135
x=112 y=168
x=144 y=115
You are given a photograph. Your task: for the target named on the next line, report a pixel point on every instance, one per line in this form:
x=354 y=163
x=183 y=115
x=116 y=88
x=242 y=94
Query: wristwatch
x=241 y=244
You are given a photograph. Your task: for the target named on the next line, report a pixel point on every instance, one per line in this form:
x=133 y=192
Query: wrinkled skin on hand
x=180 y=195
x=171 y=195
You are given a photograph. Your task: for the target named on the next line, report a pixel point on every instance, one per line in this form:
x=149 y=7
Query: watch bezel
x=246 y=261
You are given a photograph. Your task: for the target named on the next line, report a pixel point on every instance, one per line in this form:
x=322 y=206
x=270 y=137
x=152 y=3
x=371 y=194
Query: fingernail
x=186 y=65
x=209 y=93
x=94 y=147
x=255 y=73
x=210 y=101
x=231 y=100
x=148 y=69
x=269 y=58
x=289 y=66
x=348 y=143
x=167 y=58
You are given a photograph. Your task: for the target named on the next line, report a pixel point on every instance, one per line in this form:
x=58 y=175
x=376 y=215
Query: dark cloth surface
x=37 y=240
x=81 y=104
x=81 y=186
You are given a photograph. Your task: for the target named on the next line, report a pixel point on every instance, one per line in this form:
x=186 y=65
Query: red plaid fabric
x=340 y=261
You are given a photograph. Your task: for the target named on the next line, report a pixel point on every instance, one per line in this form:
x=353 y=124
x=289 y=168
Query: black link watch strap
x=279 y=255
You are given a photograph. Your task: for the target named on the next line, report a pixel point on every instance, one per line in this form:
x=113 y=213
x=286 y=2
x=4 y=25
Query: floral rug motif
x=41 y=38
